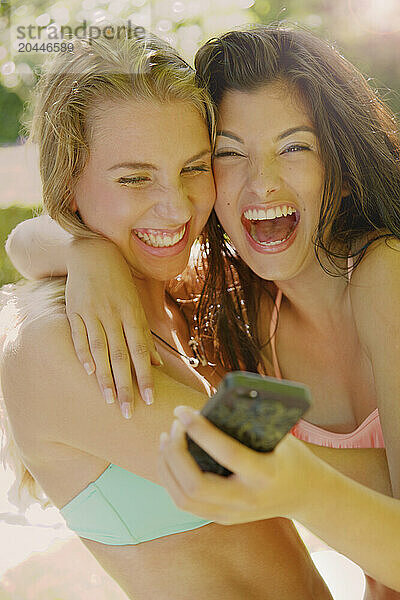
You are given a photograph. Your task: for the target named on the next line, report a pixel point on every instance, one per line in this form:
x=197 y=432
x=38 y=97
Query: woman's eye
x=224 y=153
x=133 y=180
x=196 y=169
x=294 y=148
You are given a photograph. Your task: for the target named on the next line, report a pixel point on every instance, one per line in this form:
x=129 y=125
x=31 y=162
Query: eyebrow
x=132 y=165
x=294 y=130
x=231 y=135
x=145 y=165
x=281 y=136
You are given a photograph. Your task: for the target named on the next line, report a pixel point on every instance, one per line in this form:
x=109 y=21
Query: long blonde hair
x=72 y=86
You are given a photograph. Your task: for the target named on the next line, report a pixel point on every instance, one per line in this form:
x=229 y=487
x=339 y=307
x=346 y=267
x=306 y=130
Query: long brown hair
x=359 y=148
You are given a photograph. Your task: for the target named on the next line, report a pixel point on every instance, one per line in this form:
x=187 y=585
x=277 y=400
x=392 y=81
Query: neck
x=153 y=297
x=316 y=298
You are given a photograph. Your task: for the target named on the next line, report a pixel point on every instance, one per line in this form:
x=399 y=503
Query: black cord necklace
x=194 y=361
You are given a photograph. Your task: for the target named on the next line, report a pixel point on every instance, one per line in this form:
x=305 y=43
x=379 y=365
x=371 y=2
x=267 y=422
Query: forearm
x=357 y=521
x=38 y=248
x=367 y=466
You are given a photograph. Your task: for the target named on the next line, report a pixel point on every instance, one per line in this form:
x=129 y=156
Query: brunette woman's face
x=269 y=179
x=148 y=183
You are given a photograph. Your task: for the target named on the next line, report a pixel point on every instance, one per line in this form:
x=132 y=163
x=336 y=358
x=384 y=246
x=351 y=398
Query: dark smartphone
x=256 y=410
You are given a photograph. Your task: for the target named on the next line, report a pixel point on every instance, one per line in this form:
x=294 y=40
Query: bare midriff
x=258 y=561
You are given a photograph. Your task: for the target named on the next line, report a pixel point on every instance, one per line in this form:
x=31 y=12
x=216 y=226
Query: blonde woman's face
x=148 y=184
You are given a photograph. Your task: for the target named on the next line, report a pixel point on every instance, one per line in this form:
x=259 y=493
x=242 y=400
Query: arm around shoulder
x=49 y=397
x=37 y=248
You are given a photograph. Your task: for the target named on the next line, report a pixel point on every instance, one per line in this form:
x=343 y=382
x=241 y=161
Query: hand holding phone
x=257 y=411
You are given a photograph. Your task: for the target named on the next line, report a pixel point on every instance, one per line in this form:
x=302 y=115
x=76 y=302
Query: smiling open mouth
x=271 y=226
x=158 y=238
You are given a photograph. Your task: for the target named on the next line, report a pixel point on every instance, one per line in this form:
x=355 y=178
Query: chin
x=271 y=267
x=169 y=272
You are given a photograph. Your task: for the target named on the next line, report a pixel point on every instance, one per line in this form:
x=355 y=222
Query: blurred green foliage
x=365 y=31
x=11 y=107
x=9 y=218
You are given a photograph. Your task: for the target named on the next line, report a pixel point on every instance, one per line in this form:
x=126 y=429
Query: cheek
x=202 y=194
x=227 y=217
x=306 y=180
x=106 y=214
x=228 y=188
x=229 y=180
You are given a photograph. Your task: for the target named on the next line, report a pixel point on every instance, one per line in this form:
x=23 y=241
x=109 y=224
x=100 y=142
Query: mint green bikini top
x=121 y=508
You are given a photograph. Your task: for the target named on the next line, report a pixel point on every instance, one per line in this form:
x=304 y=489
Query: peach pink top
x=367 y=435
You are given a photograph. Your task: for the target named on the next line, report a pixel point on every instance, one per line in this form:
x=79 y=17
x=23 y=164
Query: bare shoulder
x=375 y=290
x=36 y=345
x=33 y=364
x=381 y=263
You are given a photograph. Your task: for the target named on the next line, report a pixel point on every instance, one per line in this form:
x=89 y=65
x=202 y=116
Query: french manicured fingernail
x=163 y=440
x=88 y=368
x=184 y=414
x=148 y=396
x=126 y=410
x=109 y=396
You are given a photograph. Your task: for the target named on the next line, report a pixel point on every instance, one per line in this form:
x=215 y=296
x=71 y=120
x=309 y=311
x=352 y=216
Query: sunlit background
x=368 y=32
x=39 y=558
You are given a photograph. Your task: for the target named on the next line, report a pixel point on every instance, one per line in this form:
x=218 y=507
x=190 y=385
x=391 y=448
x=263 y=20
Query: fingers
x=113 y=372
x=80 y=341
x=92 y=350
x=107 y=349
x=99 y=350
x=183 y=482
x=110 y=324
x=121 y=369
x=138 y=343
x=229 y=452
x=203 y=487
x=176 y=492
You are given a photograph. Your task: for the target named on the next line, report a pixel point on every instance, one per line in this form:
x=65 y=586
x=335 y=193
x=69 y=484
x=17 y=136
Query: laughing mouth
x=157 y=238
x=271 y=226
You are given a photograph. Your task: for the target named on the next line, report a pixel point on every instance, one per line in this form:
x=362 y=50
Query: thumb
x=229 y=452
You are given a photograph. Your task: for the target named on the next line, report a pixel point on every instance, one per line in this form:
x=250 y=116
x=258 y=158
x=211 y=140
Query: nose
x=264 y=179
x=174 y=206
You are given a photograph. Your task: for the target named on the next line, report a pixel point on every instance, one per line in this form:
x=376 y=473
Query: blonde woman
x=125 y=157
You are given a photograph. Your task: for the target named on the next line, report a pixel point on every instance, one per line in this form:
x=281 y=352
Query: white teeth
x=262 y=214
x=160 y=241
x=272 y=243
x=142 y=236
x=154 y=241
